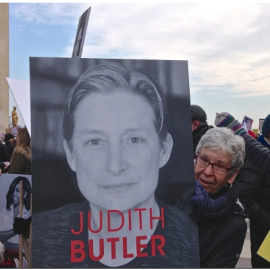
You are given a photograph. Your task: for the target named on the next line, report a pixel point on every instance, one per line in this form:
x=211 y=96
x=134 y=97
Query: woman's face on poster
x=16 y=195
x=116 y=150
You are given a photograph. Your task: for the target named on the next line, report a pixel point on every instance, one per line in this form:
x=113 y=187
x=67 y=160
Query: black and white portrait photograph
x=112 y=164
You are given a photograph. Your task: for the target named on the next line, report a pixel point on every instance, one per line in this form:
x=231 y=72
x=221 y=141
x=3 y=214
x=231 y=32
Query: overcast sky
x=227 y=46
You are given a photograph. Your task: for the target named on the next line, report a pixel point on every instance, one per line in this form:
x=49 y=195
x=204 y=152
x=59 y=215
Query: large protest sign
x=9 y=209
x=112 y=164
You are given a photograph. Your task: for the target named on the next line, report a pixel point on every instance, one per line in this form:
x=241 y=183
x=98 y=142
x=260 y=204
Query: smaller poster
x=9 y=210
x=81 y=33
x=247 y=123
x=261 y=124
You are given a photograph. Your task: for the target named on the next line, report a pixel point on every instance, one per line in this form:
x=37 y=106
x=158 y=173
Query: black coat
x=221 y=239
x=3 y=153
x=257 y=154
x=254 y=187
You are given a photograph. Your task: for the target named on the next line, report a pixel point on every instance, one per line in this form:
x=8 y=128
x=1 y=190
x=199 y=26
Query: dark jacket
x=257 y=154
x=254 y=188
x=21 y=162
x=221 y=239
x=263 y=141
x=197 y=134
x=222 y=227
x=9 y=148
x=3 y=153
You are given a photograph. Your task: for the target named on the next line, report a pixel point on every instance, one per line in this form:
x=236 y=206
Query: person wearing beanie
x=256 y=153
x=225 y=119
x=199 y=124
x=254 y=184
x=264 y=139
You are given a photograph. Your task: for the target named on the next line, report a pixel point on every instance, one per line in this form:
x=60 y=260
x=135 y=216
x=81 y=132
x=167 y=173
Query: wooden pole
x=21 y=236
x=30 y=235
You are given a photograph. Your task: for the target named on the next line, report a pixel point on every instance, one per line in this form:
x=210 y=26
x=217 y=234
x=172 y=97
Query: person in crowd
x=2 y=136
x=10 y=144
x=199 y=124
x=20 y=162
x=254 y=183
x=3 y=152
x=264 y=139
x=222 y=227
x=256 y=153
x=11 y=212
x=116 y=140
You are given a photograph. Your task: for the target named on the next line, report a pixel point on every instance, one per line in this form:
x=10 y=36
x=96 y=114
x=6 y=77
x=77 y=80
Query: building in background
x=4 y=66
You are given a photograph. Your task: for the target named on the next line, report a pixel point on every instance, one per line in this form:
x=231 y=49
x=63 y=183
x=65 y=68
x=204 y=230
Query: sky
x=227 y=46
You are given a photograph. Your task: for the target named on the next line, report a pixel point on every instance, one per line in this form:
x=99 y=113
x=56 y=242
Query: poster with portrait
x=112 y=164
x=9 y=209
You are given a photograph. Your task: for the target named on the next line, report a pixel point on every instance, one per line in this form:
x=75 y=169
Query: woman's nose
x=209 y=170
x=116 y=162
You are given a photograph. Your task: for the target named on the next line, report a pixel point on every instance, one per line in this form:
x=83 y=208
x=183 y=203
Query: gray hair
x=224 y=138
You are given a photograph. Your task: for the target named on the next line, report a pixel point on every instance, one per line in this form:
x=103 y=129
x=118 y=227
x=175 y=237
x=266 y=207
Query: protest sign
x=112 y=164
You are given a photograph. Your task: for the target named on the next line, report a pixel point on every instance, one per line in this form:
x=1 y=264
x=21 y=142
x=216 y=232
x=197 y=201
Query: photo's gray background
x=54 y=183
x=5 y=181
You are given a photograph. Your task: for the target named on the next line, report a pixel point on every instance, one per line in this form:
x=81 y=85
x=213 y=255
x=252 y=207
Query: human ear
x=166 y=150
x=231 y=179
x=70 y=156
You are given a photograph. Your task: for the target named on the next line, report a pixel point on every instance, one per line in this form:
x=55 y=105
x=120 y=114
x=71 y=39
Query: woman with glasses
x=222 y=227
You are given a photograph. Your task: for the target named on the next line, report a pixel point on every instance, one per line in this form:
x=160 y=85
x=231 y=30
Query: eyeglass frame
x=210 y=163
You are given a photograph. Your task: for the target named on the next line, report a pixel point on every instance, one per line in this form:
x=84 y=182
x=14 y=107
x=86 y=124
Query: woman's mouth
x=118 y=187
x=206 y=183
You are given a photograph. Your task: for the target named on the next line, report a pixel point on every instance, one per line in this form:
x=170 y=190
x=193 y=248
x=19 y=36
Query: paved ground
x=244 y=261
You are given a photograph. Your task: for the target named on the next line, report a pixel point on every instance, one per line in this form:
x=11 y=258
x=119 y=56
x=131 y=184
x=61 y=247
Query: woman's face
x=211 y=181
x=16 y=195
x=116 y=150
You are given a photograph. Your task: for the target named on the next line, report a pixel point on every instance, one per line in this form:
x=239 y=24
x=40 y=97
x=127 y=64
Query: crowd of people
x=15 y=153
x=249 y=188
x=232 y=183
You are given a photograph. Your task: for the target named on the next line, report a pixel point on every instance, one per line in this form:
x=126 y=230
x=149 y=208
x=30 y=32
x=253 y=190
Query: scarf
x=213 y=207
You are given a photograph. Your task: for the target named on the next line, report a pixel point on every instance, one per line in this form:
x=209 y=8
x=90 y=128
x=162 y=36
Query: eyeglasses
x=217 y=168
